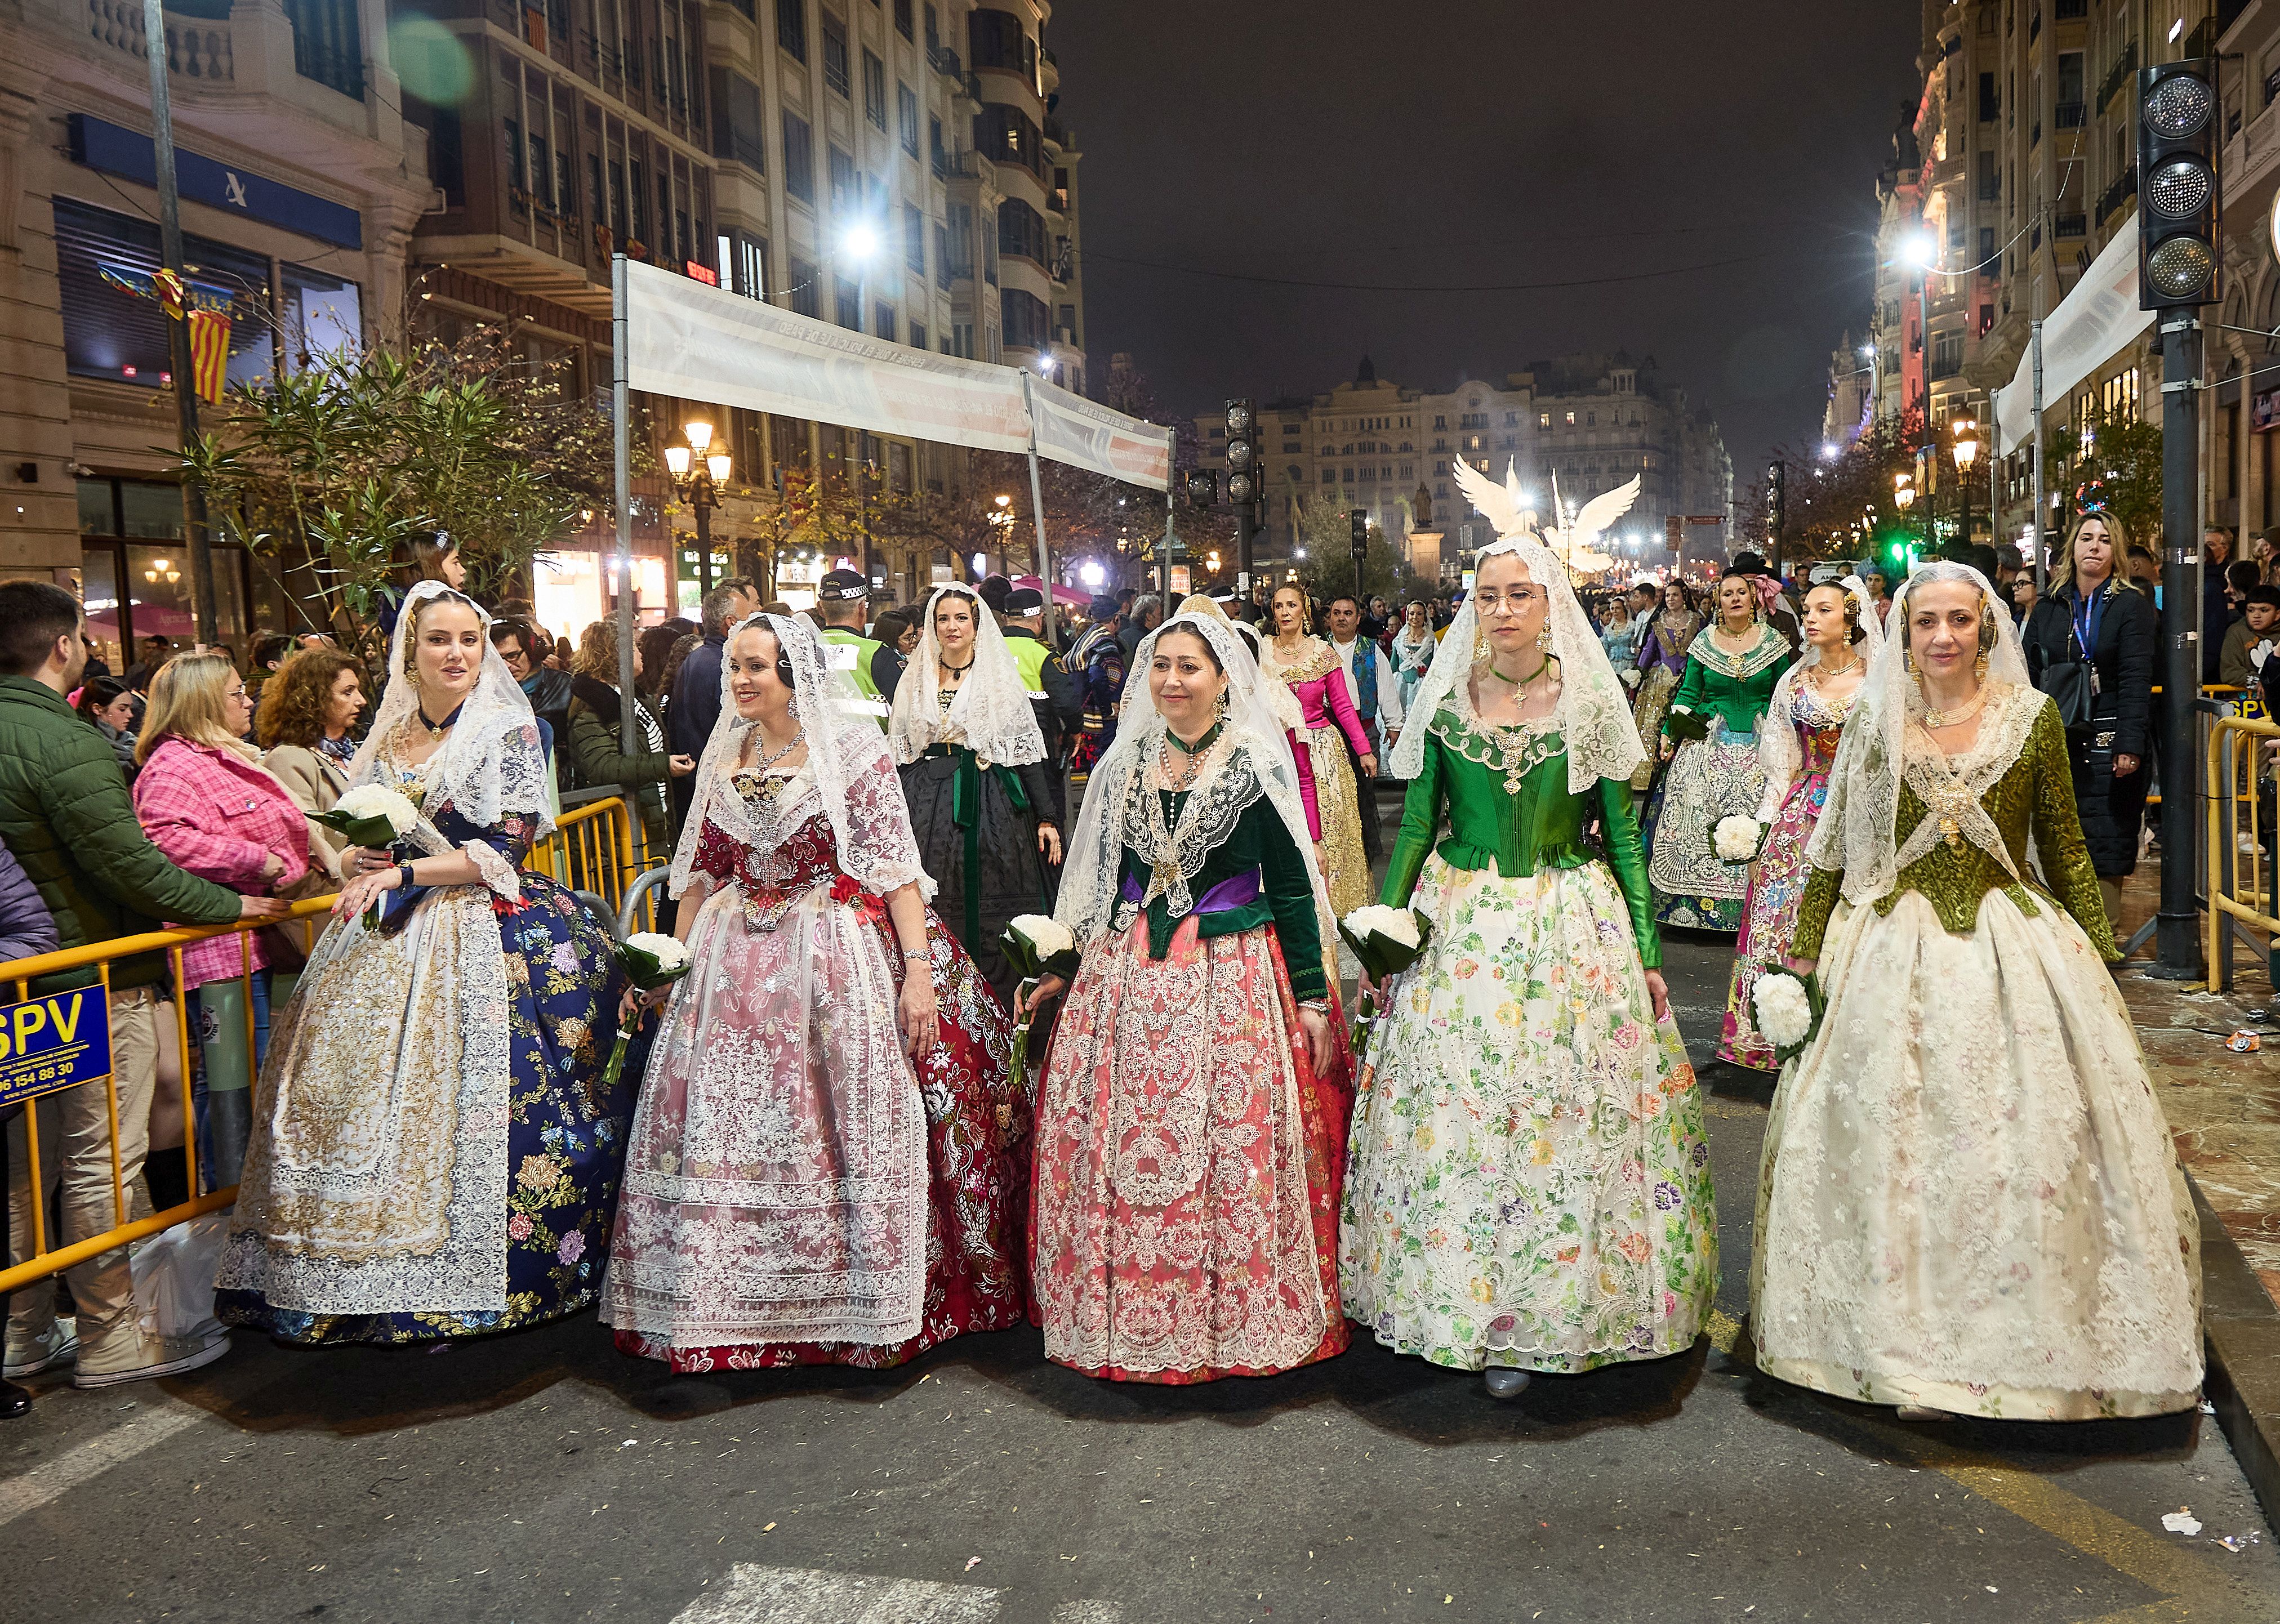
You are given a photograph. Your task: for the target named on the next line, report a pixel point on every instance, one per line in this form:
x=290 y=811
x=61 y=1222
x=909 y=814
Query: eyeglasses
x=1515 y=602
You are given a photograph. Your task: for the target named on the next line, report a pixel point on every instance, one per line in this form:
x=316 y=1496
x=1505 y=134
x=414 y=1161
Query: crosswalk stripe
x=1089 y=1612
x=753 y=1594
x=45 y=1481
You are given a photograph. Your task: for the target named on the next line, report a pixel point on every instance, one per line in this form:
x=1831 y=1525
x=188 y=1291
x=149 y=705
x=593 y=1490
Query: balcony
x=2124 y=65
x=2071 y=115
x=2070 y=11
x=195 y=47
x=2070 y=226
x=2120 y=195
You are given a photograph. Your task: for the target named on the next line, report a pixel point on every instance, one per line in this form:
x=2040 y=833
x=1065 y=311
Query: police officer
x=843 y=603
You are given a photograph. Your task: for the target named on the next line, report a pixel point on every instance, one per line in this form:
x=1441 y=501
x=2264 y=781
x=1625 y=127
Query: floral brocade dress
x=1528 y=1184
x=795 y=1193
x=1777 y=879
x=1968 y=1198
x=1183 y=1224
x=1329 y=723
x=435 y=1155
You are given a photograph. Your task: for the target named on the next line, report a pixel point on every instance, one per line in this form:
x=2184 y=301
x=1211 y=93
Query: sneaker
x=1503 y=1383
x=151 y=1356
x=58 y=1345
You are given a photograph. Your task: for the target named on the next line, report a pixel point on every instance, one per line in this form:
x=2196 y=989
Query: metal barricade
x=45 y=1261
x=2238 y=871
x=594 y=851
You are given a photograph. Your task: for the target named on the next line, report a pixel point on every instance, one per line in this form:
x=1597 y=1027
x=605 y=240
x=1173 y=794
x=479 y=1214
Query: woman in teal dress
x=1529 y=1186
x=1731 y=670
x=436 y=1154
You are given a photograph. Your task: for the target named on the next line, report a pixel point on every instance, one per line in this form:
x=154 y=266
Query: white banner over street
x=2081 y=335
x=1086 y=435
x=697 y=343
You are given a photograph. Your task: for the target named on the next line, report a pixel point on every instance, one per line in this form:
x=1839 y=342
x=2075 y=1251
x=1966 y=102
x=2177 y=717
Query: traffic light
x=1242 y=454
x=1359 y=519
x=2179 y=251
x=1203 y=488
x=1776 y=495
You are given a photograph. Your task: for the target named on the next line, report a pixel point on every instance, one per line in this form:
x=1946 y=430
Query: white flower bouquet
x=1736 y=839
x=650 y=960
x=373 y=816
x=1037 y=945
x=1788 y=1009
x=1387 y=941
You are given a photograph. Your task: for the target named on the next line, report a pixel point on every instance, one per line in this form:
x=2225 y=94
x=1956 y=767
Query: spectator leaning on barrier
x=206 y=804
x=27 y=930
x=65 y=814
x=306 y=729
x=596 y=720
x=2249 y=640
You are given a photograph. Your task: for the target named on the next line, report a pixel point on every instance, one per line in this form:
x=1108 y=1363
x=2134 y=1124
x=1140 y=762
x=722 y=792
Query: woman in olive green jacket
x=595 y=741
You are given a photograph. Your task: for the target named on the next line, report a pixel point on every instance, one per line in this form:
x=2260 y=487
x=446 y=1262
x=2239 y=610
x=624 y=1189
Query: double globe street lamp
x=699 y=486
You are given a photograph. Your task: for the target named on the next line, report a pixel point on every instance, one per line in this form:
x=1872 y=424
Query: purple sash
x=1239 y=891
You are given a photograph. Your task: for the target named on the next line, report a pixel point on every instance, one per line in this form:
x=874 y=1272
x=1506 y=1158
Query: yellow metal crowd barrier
x=2238 y=781
x=592 y=849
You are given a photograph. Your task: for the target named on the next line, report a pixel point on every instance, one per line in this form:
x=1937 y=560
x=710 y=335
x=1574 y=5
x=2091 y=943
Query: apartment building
x=300 y=189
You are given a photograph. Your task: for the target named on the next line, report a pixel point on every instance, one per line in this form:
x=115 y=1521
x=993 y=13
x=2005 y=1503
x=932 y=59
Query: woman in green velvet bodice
x=1529 y=1187
x=1731 y=671
x=1968 y=1201
x=1190 y=1119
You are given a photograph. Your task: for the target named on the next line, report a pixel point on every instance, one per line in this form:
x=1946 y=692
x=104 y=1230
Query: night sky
x=1441 y=145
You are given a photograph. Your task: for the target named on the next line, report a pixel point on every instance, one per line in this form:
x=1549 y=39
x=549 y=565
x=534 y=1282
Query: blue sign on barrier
x=54 y=1043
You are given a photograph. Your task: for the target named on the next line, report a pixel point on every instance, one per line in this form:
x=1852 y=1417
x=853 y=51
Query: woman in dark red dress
x=822 y=1167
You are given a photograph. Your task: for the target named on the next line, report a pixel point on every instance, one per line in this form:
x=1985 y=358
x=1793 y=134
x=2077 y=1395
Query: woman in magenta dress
x=1310 y=667
x=822 y=1167
x=1797 y=743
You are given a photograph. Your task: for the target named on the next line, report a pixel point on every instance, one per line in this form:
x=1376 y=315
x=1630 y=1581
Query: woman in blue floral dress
x=435 y=1155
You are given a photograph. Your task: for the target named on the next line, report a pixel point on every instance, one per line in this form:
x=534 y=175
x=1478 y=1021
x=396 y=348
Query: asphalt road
x=543 y=1477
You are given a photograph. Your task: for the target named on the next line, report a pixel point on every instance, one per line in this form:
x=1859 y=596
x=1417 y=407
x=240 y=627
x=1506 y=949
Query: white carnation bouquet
x=1788 y=1009
x=1037 y=945
x=1737 y=839
x=373 y=816
x=1387 y=941
x=650 y=960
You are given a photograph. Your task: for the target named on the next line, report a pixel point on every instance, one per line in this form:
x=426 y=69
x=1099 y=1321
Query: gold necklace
x=1935 y=721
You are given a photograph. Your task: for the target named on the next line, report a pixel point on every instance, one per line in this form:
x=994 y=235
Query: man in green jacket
x=65 y=814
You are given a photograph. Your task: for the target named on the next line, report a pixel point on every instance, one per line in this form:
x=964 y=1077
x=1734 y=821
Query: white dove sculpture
x=1573 y=545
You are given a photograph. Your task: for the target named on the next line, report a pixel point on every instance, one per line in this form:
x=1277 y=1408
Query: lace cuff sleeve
x=499 y=875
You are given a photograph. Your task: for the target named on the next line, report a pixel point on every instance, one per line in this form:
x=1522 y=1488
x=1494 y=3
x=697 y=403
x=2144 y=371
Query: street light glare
x=1921 y=251
x=860 y=242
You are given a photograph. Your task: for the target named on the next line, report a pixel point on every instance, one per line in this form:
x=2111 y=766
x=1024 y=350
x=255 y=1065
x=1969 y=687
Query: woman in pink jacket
x=206 y=802
x=1311 y=667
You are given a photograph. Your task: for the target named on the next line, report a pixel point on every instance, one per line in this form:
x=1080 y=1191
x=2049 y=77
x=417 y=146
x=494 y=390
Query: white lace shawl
x=489 y=768
x=852 y=769
x=1858 y=830
x=1251 y=759
x=1594 y=710
x=1777 y=745
x=990 y=713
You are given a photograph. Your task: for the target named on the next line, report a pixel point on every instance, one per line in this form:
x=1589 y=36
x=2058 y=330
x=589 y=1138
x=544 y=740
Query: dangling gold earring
x=1221 y=704
x=1979 y=667
x=411 y=675
x=1907 y=659
x=1480 y=648
x=1543 y=639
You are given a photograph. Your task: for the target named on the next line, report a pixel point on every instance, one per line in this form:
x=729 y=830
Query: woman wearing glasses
x=1529 y=1187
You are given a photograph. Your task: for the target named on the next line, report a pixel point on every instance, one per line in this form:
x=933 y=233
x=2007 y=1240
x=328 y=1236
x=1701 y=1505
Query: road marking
x=75 y=1466
x=1089 y=1612
x=757 y=1595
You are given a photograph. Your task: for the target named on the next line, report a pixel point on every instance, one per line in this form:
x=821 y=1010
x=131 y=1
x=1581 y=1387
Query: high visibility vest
x=1029 y=657
x=863 y=649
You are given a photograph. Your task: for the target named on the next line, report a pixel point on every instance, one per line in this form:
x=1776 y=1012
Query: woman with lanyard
x=2093 y=614
x=973 y=767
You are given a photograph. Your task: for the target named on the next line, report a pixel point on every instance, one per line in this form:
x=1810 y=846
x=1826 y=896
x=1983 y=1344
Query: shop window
x=324 y=315
x=115 y=329
x=147 y=508
x=159 y=591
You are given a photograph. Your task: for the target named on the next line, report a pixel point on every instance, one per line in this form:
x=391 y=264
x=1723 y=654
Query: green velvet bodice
x=2034 y=796
x=1285 y=899
x=1734 y=689
x=1503 y=794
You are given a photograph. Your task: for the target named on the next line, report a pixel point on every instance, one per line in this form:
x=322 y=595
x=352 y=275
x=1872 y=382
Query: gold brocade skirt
x=1345 y=870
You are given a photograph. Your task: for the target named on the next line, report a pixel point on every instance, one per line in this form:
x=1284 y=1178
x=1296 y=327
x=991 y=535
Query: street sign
x=54 y=1043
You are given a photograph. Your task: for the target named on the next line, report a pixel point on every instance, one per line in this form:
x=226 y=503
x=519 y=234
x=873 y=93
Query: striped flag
x=209 y=353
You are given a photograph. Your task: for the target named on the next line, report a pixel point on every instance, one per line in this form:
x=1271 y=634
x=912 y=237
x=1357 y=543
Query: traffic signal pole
x=2178 y=936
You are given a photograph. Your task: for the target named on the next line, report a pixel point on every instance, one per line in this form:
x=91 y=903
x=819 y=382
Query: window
x=887 y=325
x=942 y=278
x=791 y=27
x=805 y=294
x=903 y=28
x=1020 y=231
x=1329 y=476
x=961 y=338
x=1987 y=244
x=936 y=153
x=1990 y=104
x=933 y=38
x=1068 y=323
x=1543 y=420
x=918 y=335
x=906 y=116
x=109 y=333
x=1571 y=419
x=842 y=180
x=835 y=54
x=1991 y=178
x=799 y=159
x=1025 y=320
x=875 y=89
x=914 y=238
x=847 y=295
x=736 y=126
x=997 y=39
x=1006 y=134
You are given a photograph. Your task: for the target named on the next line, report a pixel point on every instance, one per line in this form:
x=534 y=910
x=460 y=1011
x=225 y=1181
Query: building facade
x=353 y=171
x=1585 y=423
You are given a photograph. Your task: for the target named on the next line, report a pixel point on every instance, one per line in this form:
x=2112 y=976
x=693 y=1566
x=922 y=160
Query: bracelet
x=1320 y=1006
x=404 y=876
x=917 y=955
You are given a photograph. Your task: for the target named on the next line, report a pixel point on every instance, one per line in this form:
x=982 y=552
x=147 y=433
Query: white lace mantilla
x=1770 y=649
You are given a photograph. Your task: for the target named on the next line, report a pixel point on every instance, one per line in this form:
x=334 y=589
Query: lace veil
x=849 y=760
x=1777 y=745
x=1594 y=712
x=491 y=766
x=1253 y=758
x=1858 y=829
x=990 y=713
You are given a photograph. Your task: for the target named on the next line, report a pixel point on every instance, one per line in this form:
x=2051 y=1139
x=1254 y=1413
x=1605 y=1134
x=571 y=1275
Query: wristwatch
x=404 y=879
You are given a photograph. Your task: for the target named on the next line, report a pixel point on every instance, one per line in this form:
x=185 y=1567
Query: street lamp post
x=861 y=243
x=1966 y=452
x=698 y=478
x=1904 y=496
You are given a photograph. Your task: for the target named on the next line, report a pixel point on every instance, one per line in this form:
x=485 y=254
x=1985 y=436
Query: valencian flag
x=206 y=307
